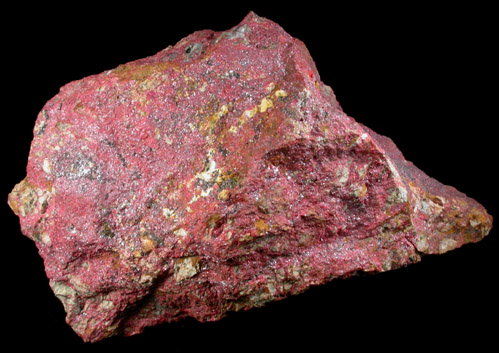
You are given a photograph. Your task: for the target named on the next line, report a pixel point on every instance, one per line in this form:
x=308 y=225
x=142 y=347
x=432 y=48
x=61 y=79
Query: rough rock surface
x=218 y=175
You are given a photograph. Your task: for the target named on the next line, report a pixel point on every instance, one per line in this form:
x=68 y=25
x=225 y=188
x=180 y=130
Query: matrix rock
x=215 y=176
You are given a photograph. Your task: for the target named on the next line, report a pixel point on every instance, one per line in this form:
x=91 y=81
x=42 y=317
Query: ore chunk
x=218 y=175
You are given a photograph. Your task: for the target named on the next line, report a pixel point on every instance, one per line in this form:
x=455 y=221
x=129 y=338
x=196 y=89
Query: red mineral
x=215 y=176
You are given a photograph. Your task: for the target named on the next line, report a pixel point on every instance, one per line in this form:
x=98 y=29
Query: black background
x=423 y=75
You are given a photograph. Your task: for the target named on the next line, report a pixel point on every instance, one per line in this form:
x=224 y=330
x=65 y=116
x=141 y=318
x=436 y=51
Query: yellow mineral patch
x=47 y=166
x=343 y=175
x=206 y=192
x=244 y=118
x=185 y=268
x=149 y=83
x=168 y=212
x=168 y=140
x=208 y=172
x=181 y=232
x=224 y=195
x=301 y=128
x=157 y=134
x=270 y=87
x=363 y=171
x=422 y=243
x=324 y=128
x=27 y=198
x=245 y=237
x=209 y=124
x=208 y=175
x=261 y=226
x=250 y=112
x=360 y=191
x=137 y=254
x=223 y=110
x=398 y=195
x=147 y=243
x=65 y=294
x=106 y=305
x=194 y=199
x=474 y=223
x=265 y=104
x=447 y=244
x=45 y=238
x=280 y=93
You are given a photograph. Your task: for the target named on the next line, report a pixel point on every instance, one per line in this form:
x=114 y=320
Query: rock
x=215 y=176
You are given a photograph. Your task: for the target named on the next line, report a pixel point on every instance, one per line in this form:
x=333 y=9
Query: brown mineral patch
x=147 y=244
x=139 y=72
x=261 y=226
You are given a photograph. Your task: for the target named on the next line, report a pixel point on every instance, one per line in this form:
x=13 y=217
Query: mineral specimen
x=218 y=175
